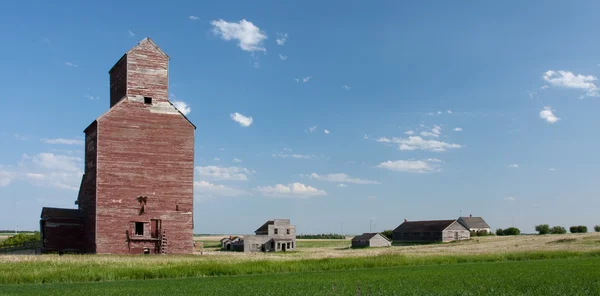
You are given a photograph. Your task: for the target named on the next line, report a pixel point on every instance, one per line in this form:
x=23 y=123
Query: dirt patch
x=563 y=241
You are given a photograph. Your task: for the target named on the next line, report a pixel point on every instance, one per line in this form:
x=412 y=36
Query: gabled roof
x=424 y=226
x=366 y=236
x=61 y=213
x=265 y=227
x=145 y=40
x=473 y=222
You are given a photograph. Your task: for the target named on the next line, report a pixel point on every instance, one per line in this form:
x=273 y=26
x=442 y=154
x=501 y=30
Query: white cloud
x=418 y=143
x=63 y=141
x=311 y=129
x=566 y=79
x=194 y=18
x=250 y=37
x=5 y=178
x=410 y=166
x=510 y=198
x=182 y=107
x=544 y=87
x=287 y=149
x=241 y=119
x=71 y=64
x=449 y=111
x=281 y=38
x=340 y=178
x=21 y=137
x=409 y=133
x=346 y=87
x=439 y=112
x=326 y=131
x=458 y=129
x=223 y=173
x=236 y=160
x=305 y=79
x=552 y=169
x=434 y=160
x=548 y=115
x=342 y=185
x=296 y=156
x=514 y=166
x=46 y=170
x=366 y=137
x=282 y=57
x=216 y=159
x=435 y=132
x=209 y=190
x=294 y=190
x=131 y=33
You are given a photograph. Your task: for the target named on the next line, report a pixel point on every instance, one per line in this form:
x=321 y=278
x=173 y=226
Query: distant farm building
x=475 y=224
x=430 y=231
x=370 y=240
x=273 y=236
x=232 y=243
x=136 y=194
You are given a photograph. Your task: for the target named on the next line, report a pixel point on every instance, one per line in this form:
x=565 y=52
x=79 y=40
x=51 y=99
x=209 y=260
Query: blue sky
x=347 y=112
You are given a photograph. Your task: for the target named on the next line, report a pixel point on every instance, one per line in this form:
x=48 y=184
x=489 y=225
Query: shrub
x=499 y=231
x=512 y=231
x=480 y=233
x=578 y=229
x=387 y=233
x=21 y=238
x=542 y=228
x=558 y=230
x=597 y=228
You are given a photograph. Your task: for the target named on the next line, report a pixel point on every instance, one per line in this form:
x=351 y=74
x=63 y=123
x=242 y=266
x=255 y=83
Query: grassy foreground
x=574 y=276
x=72 y=269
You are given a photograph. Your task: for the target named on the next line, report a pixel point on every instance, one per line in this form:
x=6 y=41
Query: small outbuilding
x=475 y=224
x=430 y=231
x=370 y=240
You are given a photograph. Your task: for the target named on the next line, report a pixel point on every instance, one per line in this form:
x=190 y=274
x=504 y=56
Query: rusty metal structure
x=136 y=194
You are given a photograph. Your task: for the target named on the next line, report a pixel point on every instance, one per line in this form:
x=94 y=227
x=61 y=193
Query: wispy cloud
x=510 y=198
x=513 y=166
x=547 y=114
x=208 y=190
x=410 y=166
x=236 y=160
x=244 y=121
x=346 y=87
x=294 y=190
x=340 y=178
x=435 y=132
x=131 y=33
x=342 y=185
x=311 y=129
x=566 y=79
x=216 y=159
x=281 y=38
x=63 y=141
x=232 y=173
x=90 y=97
x=71 y=64
x=449 y=111
x=305 y=79
x=418 y=143
x=21 y=137
x=326 y=131
x=194 y=18
x=46 y=170
x=409 y=132
x=287 y=153
x=250 y=37
x=282 y=57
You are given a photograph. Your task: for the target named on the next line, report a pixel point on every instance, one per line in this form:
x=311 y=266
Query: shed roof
x=265 y=227
x=365 y=236
x=473 y=222
x=424 y=226
x=61 y=213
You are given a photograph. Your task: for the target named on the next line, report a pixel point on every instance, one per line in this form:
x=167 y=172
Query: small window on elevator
x=148 y=100
x=139 y=228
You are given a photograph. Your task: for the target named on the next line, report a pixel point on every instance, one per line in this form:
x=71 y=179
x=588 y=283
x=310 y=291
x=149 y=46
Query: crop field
x=520 y=265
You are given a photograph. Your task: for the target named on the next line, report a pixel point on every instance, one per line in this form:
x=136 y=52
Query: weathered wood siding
x=144 y=150
x=86 y=199
x=118 y=81
x=147 y=72
x=455 y=231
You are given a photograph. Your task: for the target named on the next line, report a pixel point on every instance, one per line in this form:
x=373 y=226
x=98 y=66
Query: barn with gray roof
x=475 y=224
x=430 y=231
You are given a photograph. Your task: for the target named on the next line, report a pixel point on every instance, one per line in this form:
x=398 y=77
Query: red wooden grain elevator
x=136 y=194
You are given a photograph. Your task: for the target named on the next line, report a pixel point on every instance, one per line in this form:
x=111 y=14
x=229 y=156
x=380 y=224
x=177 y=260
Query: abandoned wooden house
x=231 y=243
x=430 y=231
x=475 y=224
x=273 y=236
x=136 y=193
x=373 y=239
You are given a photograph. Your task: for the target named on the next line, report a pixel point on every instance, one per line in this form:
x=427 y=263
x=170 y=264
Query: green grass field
x=574 y=276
